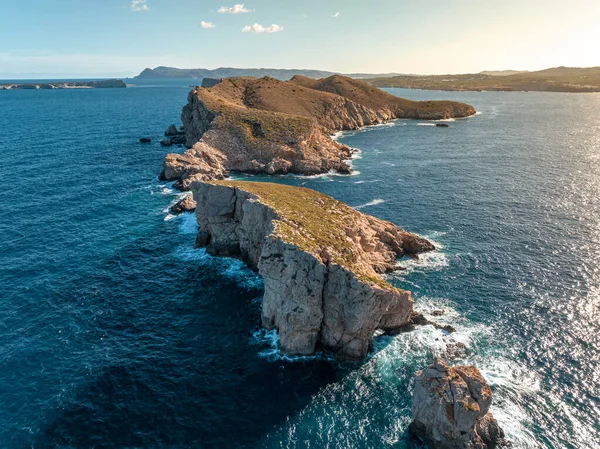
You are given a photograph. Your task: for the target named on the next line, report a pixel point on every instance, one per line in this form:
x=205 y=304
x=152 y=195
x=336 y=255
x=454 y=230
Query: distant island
x=264 y=125
x=230 y=72
x=559 y=79
x=103 y=84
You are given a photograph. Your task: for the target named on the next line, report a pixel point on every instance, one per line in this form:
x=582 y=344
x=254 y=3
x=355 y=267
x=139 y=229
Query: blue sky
x=93 y=38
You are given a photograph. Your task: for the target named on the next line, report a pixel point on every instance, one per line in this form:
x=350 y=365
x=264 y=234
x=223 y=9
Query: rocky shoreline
x=268 y=126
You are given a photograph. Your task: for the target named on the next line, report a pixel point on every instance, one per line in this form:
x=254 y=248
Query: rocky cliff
x=320 y=259
x=269 y=126
x=451 y=409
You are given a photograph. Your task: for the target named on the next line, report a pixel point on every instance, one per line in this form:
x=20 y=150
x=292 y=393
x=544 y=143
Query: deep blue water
x=115 y=332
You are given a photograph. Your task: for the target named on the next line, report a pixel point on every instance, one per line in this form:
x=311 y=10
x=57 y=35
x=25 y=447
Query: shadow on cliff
x=164 y=357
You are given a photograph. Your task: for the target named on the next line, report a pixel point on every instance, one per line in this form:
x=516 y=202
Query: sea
x=116 y=333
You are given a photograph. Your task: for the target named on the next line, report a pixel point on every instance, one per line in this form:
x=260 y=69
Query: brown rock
x=451 y=409
x=187 y=204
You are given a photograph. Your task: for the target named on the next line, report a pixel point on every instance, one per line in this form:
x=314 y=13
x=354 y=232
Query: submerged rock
x=320 y=259
x=451 y=409
x=145 y=140
x=166 y=142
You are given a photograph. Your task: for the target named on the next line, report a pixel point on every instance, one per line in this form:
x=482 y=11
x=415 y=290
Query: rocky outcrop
x=451 y=409
x=186 y=204
x=275 y=127
x=171 y=131
x=320 y=259
x=211 y=82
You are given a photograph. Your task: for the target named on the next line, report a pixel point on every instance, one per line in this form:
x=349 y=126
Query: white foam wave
x=374 y=202
x=431 y=261
x=357 y=154
x=233 y=269
x=425 y=124
x=337 y=135
x=169 y=217
x=263 y=337
x=366 y=182
x=434 y=261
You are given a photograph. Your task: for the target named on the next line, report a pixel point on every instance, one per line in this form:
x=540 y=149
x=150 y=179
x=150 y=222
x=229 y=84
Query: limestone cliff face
x=451 y=409
x=196 y=119
x=269 y=126
x=319 y=258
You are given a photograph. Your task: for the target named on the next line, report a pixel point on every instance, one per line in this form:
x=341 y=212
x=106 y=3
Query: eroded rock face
x=451 y=409
x=313 y=300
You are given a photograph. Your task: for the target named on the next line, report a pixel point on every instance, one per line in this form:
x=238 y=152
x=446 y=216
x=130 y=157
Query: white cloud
x=205 y=25
x=256 y=28
x=336 y=15
x=235 y=9
x=139 y=5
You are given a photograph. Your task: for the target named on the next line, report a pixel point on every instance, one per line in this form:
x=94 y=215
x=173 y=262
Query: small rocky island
x=269 y=126
x=104 y=84
x=320 y=259
x=451 y=409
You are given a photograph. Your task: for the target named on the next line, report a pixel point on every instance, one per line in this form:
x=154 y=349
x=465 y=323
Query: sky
x=118 y=38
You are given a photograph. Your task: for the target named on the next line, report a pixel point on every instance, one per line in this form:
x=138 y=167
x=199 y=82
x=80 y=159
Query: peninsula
x=320 y=259
x=104 y=84
x=269 y=126
x=559 y=79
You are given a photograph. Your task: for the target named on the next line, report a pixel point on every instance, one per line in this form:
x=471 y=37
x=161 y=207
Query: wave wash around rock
x=320 y=259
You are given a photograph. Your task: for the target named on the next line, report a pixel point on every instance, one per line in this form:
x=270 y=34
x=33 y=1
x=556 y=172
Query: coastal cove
x=162 y=343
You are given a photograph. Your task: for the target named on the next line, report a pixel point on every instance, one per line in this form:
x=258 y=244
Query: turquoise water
x=115 y=332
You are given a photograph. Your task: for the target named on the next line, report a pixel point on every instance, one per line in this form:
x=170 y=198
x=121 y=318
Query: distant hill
x=558 y=79
x=230 y=72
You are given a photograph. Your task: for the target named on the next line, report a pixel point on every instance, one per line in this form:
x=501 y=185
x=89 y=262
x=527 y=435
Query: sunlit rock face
x=451 y=409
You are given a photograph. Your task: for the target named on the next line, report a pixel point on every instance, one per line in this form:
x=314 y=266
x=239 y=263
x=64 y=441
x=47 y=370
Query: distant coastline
x=102 y=84
x=560 y=79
